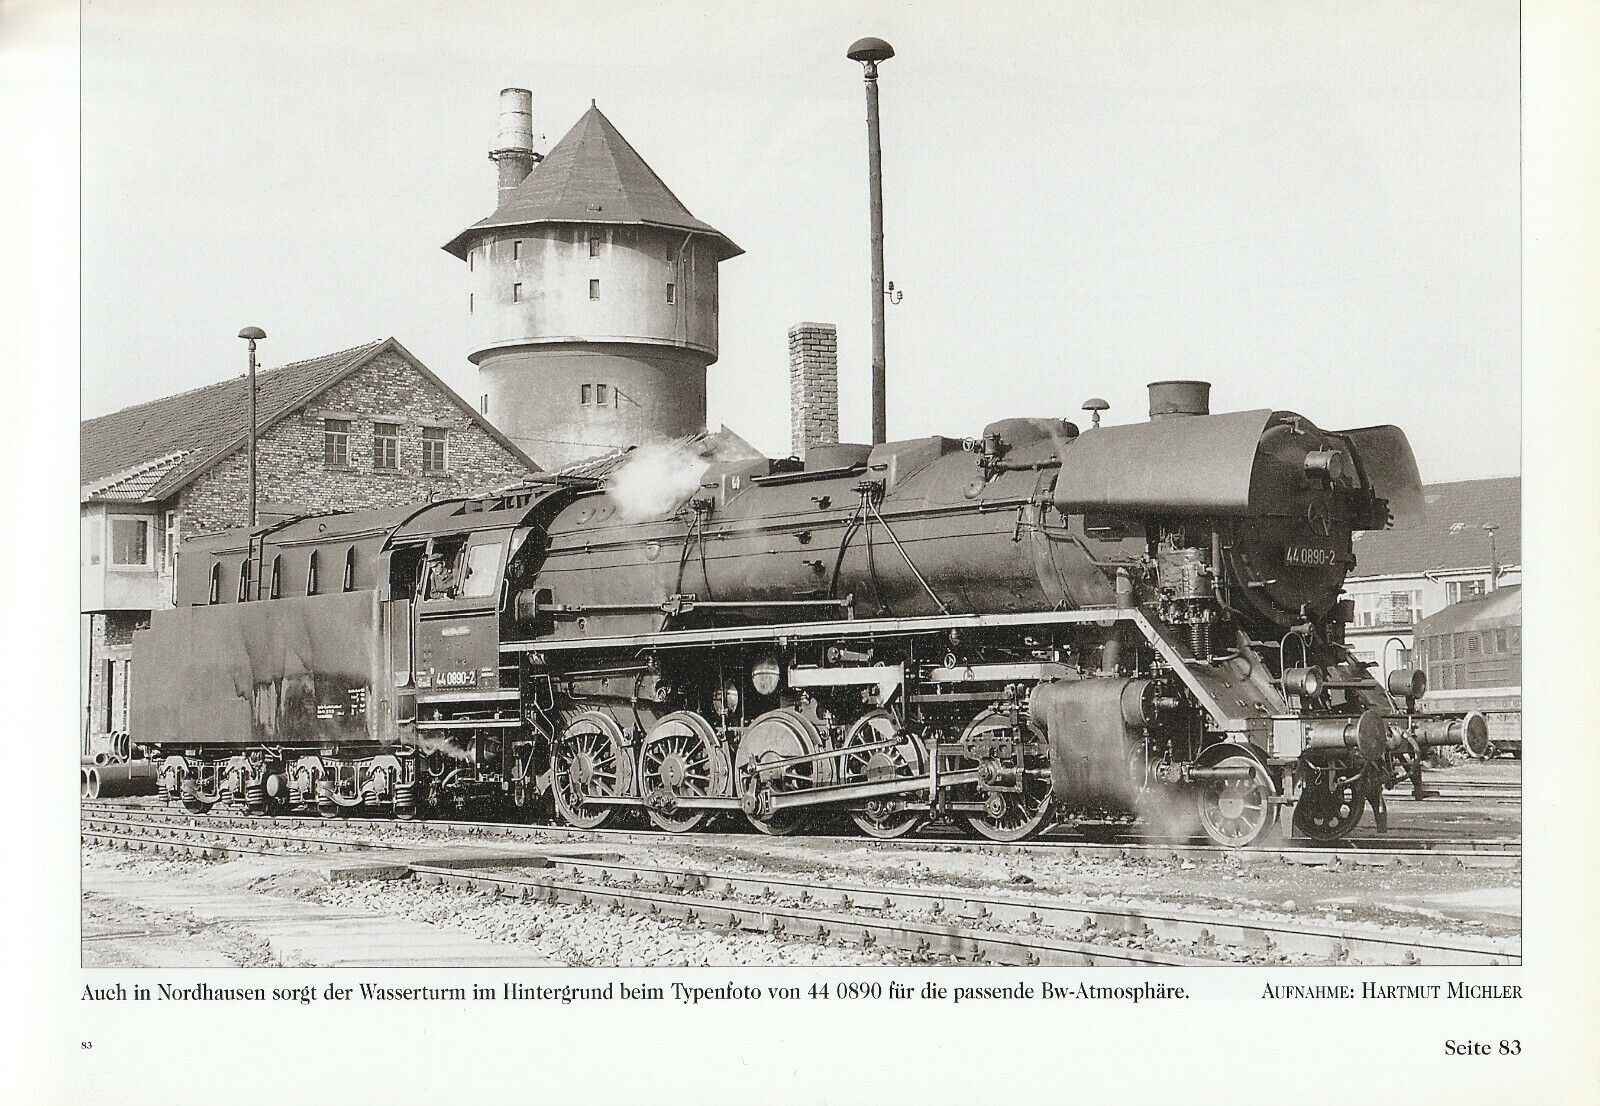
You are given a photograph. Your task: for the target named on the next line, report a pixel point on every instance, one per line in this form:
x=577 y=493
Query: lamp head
x=870 y=50
x=252 y=333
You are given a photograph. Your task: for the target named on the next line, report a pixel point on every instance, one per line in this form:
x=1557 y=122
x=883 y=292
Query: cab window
x=482 y=577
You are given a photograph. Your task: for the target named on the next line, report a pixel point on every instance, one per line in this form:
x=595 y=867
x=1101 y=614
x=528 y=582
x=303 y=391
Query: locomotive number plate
x=468 y=678
x=1310 y=556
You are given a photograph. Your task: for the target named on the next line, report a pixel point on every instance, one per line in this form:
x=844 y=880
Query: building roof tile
x=152 y=450
x=1451 y=535
x=593 y=175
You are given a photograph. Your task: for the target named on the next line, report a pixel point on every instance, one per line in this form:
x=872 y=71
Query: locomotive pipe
x=1470 y=732
x=1220 y=774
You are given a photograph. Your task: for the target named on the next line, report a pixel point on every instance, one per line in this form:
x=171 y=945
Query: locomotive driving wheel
x=1029 y=807
x=1237 y=812
x=777 y=736
x=884 y=817
x=1327 y=811
x=590 y=760
x=680 y=760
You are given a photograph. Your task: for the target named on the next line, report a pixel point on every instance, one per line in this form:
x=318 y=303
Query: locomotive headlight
x=1408 y=683
x=1325 y=464
x=1305 y=682
x=765 y=675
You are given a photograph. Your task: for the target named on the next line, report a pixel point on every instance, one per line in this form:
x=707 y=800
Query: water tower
x=592 y=294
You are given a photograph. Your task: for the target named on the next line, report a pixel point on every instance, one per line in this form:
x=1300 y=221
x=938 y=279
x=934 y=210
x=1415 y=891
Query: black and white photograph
x=779 y=508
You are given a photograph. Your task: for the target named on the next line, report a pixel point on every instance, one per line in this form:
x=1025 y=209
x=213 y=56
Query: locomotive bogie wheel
x=884 y=818
x=1236 y=813
x=1324 y=815
x=1015 y=815
x=680 y=760
x=779 y=735
x=590 y=759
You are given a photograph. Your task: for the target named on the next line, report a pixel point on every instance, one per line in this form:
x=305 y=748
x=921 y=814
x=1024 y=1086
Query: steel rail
x=679 y=893
x=1423 y=854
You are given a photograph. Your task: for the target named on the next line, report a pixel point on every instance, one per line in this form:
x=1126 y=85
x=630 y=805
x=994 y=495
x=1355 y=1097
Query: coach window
x=483 y=571
x=350 y=569
x=276 y=589
x=244 y=580
x=311 y=574
x=216 y=583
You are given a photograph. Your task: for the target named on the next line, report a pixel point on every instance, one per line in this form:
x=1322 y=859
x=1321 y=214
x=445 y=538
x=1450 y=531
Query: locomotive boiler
x=1033 y=625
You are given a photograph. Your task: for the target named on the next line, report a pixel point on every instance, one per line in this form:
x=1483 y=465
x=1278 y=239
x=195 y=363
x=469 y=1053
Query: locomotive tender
x=1039 y=624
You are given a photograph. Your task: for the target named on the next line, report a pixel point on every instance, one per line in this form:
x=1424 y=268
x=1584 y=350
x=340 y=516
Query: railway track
x=1428 y=854
x=927 y=923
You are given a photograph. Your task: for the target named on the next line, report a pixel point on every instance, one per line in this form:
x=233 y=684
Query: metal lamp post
x=869 y=52
x=252 y=334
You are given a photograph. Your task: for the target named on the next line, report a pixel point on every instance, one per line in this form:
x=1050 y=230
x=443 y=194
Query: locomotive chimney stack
x=1170 y=398
x=513 y=154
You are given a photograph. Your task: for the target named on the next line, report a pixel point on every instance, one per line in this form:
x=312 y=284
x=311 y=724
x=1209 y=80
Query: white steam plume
x=655 y=479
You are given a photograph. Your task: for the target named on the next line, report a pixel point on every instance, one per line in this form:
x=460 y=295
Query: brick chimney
x=813 y=386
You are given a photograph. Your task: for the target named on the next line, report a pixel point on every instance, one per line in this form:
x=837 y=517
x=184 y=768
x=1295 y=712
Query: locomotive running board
x=1171 y=651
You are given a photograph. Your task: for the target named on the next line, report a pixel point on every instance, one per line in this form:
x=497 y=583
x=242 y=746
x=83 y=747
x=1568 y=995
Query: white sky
x=1314 y=206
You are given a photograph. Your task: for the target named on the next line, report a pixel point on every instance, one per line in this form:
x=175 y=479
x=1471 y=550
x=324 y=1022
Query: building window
x=594 y=245
x=244 y=580
x=130 y=542
x=350 y=569
x=170 y=548
x=672 y=292
x=516 y=250
x=111 y=686
x=601 y=395
x=336 y=442
x=386 y=446
x=516 y=293
x=276 y=589
x=594 y=289
x=585 y=394
x=311 y=574
x=216 y=583
x=1457 y=590
x=434 y=442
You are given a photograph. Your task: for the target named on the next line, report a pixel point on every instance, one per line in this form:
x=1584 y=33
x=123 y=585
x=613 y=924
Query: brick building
x=365 y=427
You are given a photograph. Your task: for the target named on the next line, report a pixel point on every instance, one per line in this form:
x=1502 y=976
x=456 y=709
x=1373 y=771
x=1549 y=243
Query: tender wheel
x=1236 y=813
x=590 y=759
x=680 y=760
x=775 y=736
x=1322 y=814
x=1019 y=814
x=883 y=818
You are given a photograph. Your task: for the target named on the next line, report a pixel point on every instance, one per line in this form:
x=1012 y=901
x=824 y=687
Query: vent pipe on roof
x=1179 y=397
x=513 y=154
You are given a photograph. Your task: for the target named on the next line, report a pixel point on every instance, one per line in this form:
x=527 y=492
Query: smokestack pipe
x=1179 y=397
x=513 y=154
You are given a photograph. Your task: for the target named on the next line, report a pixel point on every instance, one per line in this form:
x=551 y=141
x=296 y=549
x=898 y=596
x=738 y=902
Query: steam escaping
x=656 y=478
x=444 y=746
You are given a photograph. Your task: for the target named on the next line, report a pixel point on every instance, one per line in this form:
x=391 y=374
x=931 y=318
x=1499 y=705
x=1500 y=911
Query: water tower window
x=594 y=289
x=594 y=245
x=472 y=258
x=672 y=292
x=584 y=394
x=469 y=303
x=516 y=293
x=483 y=404
x=516 y=250
x=600 y=391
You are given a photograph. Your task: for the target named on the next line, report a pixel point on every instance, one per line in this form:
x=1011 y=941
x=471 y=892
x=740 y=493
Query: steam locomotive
x=1032 y=626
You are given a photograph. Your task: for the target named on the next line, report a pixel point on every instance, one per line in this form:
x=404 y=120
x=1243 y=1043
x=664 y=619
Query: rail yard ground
x=156 y=907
